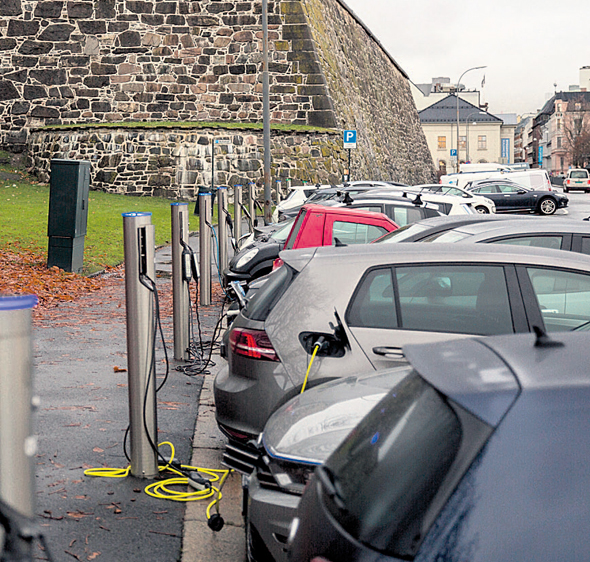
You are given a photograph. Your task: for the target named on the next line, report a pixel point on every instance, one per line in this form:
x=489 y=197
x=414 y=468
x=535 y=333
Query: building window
x=442 y=166
x=462 y=142
x=559 y=124
x=561 y=163
x=558 y=142
x=482 y=142
x=442 y=142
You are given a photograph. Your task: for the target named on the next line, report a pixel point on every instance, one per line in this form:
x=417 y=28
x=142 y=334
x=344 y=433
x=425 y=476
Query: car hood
x=310 y=426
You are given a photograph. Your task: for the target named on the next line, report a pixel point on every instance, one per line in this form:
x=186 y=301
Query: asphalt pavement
x=80 y=374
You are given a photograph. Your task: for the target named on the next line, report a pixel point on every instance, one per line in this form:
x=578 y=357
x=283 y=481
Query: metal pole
x=279 y=191
x=180 y=280
x=18 y=445
x=457 y=95
x=251 y=205
x=212 y=166
x=266 y=114
x=237 y=213
x=222 y=227
x=205 y=248
x=139 y=251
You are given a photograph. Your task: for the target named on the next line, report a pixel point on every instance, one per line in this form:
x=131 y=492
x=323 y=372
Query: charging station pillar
x=18 y=445
x=222 y=227
x=181 y=274
x=251 y=206
x=140 y=275
x=205 y=247
x=237 y=213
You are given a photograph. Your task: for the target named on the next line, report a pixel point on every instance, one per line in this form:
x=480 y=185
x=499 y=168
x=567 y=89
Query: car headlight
x=291 y=477
x=248 y=256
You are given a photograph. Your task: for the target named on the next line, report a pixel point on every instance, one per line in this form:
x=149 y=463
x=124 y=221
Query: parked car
x=316 y=225
x=422 y=229
x=361 y=304
x=577 y=179
x=255 y=259
x=476 y=454
x=556 y=233
x=537 y=179
x=296 y=197
x=511 y=197
x=299 y=436
x=481 y=204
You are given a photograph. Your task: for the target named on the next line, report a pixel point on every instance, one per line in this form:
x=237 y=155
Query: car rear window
x=579 y=174
x=260 y=305
x=388 y=480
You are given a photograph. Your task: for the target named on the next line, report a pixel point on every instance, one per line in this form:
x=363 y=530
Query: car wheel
x=547 y=206
x=256 y=550
x=482 y=210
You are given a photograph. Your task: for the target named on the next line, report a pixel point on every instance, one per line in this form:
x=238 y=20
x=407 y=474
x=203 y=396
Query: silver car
x=357 y=306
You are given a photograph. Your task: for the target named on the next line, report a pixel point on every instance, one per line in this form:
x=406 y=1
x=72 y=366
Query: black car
x=479 y=453
x=510 y=197
x=256 y=259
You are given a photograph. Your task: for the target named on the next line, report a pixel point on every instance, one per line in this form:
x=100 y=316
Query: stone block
x=139 y=7
x=19 y=76
x=7 y=44
x=279 y=68
x=74 y=60
x=166 y=7
x=96 y=81
x=10 y=8
x=45 y=112
x=202 y=21
x=325 y=119
x=126 y=68
x=243 y=37
x=296 y=31
x=19 y=107
x=102 y=69
x=54 y=77
x=20 y=28
x=91 y=46
x=80 y=10
x=239 y=20
x=291 y=8
x=57 y=32
x=93 y=27
x=8 y=91
x=129 y=39
x=105 y=9
x=152 y=20
x=151 y=39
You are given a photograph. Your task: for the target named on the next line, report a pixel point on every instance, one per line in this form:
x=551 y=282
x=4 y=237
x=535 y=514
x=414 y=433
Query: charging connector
x=196 y=481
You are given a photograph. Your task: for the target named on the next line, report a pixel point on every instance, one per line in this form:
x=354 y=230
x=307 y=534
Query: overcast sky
x=527 y=46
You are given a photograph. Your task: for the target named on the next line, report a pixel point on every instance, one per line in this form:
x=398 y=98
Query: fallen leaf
x=93 y=556
x=119 y=369
x=98 y=450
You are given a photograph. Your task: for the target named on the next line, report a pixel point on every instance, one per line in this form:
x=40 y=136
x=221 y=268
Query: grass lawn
x=24 y=205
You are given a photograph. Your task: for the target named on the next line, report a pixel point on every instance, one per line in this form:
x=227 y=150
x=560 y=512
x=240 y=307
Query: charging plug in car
x=187 y=273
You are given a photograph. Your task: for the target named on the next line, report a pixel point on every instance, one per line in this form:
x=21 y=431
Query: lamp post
x=457 y=94
x=266 y=113
x=467 y=132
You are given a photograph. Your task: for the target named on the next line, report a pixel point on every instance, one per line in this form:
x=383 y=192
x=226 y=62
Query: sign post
x=349 y=142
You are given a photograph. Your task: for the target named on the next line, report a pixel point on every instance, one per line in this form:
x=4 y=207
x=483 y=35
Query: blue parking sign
x=454 y=152
x=349 y=139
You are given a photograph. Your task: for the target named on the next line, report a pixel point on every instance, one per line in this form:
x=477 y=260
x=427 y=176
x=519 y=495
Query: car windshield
x=281 y=234
x=402 y=234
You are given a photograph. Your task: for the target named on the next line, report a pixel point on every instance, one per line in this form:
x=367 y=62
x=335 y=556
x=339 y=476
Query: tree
x=576 y=127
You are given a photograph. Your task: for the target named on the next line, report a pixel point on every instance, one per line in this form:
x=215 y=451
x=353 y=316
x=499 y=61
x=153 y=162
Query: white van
x=535 y=179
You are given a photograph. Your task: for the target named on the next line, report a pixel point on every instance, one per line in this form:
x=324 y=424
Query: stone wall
x=72 y=62
x=174 y=162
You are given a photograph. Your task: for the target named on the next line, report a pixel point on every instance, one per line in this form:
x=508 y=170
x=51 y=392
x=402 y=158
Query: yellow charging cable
x=163 y=490
x=315 y=350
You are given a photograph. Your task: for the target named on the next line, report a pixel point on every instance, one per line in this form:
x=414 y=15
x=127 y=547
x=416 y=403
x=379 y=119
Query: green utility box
x=68 y=213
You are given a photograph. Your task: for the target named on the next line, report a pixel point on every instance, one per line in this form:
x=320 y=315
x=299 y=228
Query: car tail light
x=567 y=181
x=252 y=343
x=277 y=263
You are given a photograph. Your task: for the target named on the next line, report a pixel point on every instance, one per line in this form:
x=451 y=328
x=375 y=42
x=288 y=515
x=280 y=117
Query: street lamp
x=457 y=94
x=479 y=112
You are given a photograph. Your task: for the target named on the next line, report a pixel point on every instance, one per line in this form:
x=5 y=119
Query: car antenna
x=543 y=339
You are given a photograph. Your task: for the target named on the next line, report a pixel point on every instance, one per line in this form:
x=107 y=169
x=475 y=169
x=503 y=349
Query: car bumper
x=243 y=404
x=229 y=276
x=269 y=517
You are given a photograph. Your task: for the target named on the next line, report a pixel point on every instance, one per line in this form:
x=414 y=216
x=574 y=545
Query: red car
x=318 y=225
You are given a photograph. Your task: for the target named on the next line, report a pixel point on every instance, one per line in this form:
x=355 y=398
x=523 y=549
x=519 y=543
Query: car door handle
x=387 y=351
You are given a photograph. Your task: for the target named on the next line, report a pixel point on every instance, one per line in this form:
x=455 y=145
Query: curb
x=199 y=542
